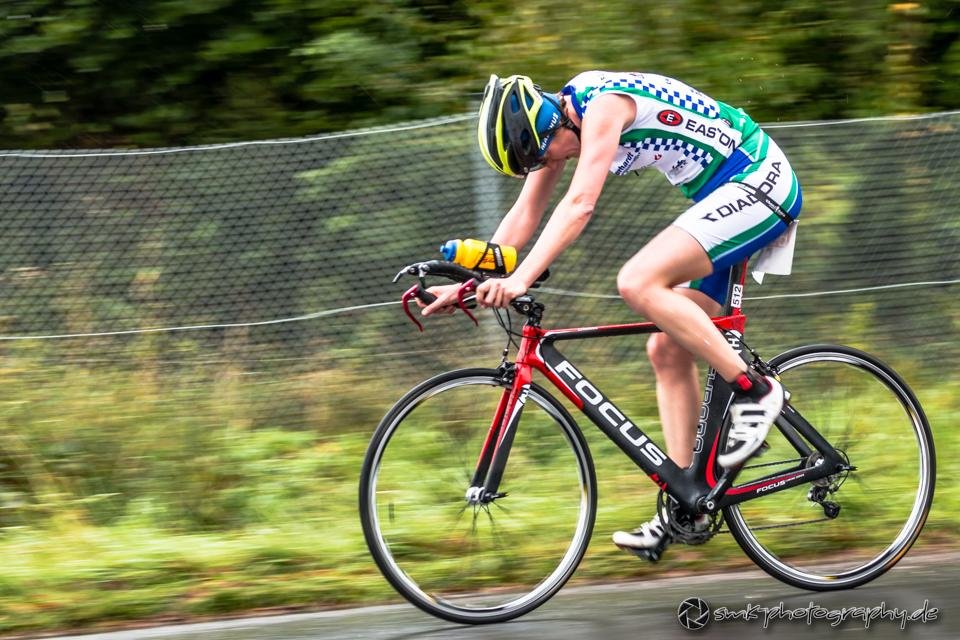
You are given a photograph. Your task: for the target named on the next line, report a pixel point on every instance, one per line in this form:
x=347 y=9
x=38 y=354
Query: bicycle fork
x=484 y=487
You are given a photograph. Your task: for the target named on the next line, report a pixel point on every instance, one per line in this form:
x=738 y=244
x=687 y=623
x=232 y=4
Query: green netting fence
x=186 y=292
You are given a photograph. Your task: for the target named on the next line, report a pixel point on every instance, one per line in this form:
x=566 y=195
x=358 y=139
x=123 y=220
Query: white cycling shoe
x=750 y=421
x=650 y=534
x=646 y=536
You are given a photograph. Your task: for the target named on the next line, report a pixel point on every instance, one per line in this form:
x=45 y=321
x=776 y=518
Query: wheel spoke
x=476 y=561
x=869 y=416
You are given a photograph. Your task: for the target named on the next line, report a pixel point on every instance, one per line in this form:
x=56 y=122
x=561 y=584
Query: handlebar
x=440 y=268
x=469 y=278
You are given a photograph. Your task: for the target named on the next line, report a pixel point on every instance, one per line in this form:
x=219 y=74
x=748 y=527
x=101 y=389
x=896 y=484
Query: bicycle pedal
x=650 y=555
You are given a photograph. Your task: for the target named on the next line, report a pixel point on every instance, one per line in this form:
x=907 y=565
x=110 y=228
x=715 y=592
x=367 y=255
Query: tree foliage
x=95 y=73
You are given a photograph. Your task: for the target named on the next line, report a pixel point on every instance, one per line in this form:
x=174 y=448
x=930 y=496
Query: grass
x=128 y=495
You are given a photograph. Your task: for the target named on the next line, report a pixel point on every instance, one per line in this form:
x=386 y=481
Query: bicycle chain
x=780 y=526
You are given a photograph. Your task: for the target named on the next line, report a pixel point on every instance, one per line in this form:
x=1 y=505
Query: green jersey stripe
x=791 y=198
x=690 y=188
x=743 y=238
x=738 y=119
x=678 y=130
x=751 y=146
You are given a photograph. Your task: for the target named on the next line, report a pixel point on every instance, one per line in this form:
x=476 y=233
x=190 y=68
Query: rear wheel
x=476 y=563
x=848 y=529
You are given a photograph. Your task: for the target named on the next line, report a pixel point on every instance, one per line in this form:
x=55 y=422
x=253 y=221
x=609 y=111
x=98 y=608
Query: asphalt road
x=631 y=611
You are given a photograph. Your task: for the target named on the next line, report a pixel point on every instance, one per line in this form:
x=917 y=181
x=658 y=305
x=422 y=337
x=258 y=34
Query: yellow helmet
x=517 y=123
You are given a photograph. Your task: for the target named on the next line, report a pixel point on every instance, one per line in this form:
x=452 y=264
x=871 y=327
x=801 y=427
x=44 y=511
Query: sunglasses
x=547 y=135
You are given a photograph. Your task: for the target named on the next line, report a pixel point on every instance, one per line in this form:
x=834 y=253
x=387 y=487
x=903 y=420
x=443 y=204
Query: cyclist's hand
x=446 y=301
x=498 y=292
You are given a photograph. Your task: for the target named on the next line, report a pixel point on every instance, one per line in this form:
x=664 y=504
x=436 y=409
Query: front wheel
x=847 y=529
x=476 y=563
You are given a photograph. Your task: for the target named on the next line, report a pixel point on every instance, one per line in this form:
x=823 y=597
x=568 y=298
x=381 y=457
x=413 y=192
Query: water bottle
x=480 y=255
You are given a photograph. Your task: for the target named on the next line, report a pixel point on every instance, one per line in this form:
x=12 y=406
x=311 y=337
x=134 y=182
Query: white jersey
x=681 y=132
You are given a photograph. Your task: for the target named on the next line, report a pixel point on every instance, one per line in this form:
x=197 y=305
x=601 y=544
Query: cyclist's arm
x=520 y=223
x=609 y=115
x=515 y=229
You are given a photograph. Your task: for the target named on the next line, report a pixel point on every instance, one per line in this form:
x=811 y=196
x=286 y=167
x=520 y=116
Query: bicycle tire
x=844 y=552
x=429 y=559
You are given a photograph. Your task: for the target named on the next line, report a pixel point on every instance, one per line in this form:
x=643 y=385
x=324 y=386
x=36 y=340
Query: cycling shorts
x=728 y=221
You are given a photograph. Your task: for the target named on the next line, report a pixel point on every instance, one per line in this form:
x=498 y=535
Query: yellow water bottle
x=480 y=255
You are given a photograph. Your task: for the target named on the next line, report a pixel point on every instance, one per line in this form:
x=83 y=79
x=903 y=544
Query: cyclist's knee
x=636 y=286
x=666 y=355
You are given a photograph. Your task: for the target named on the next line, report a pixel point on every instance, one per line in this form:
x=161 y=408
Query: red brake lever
x=467 y=287
x=409 y=295
x=415 y=292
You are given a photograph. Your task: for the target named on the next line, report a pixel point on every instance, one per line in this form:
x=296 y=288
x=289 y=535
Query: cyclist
x=745 y=196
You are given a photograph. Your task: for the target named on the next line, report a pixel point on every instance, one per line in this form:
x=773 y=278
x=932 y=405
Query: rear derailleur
x=825 y=487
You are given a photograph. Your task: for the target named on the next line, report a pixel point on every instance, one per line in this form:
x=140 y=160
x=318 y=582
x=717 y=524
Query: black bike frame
x=703 y=487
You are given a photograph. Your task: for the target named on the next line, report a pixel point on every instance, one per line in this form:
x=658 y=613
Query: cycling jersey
x=716 y=154
x=731 y=223
x=681 y=132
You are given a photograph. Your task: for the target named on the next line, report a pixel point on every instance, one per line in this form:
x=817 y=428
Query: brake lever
x=470 y=286
x=405 y=299
x=419 y=291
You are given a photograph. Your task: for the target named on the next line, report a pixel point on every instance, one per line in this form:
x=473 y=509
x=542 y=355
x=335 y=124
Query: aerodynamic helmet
x=517 y=123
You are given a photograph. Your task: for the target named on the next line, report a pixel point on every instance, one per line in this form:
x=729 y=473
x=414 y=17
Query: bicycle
x=473 y=462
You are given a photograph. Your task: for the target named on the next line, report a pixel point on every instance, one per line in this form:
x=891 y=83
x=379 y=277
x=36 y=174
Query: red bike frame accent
x=529 y=357
x=692 y=486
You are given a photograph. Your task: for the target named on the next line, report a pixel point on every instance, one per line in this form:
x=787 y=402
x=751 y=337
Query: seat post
x=735 y=287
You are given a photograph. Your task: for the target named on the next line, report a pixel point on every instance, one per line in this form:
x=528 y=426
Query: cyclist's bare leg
x=646 y=283
x=678 y=385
